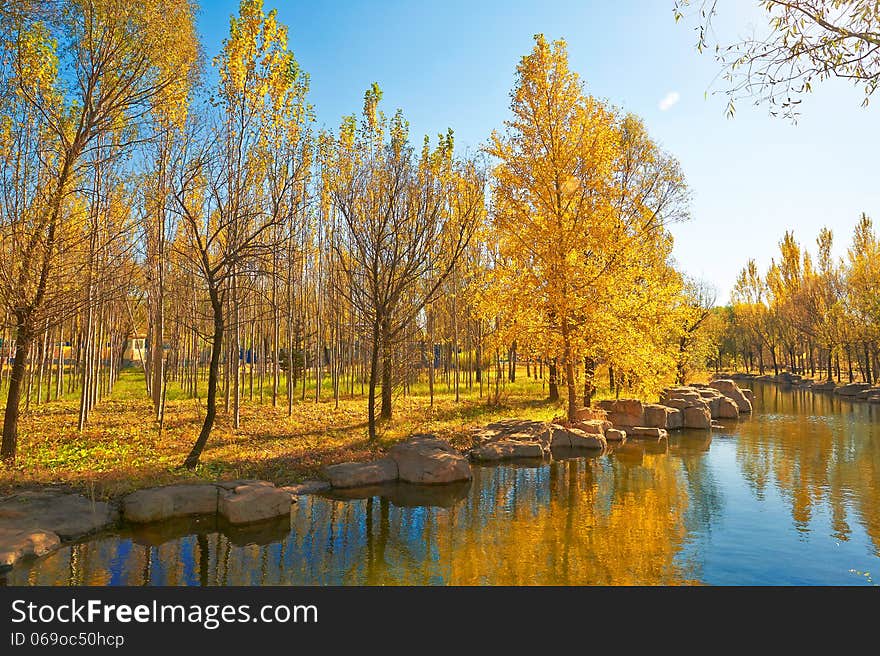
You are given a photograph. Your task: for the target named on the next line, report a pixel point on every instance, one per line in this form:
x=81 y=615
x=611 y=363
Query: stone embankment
x=853 y=391
x=36 y=522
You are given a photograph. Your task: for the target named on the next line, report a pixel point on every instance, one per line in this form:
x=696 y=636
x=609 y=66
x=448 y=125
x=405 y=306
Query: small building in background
x=135 y=351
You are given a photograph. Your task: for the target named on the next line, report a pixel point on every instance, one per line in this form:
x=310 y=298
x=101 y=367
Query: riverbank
x=786 y=496
x=38 y=521
x=856 y=391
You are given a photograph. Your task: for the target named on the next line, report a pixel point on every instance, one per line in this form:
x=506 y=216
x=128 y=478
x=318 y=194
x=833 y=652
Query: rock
x=247 y=504
x=852 y=389
x=674 y=419
x=427 y=459
x=827 y=386
x=681 y=394
x=587 y=414
x=697 y=417
x=646 y=433
x=524 y=430
x=593 y=426
x=623 y=412
x=750 y=395
x=727 y=409
x=358 y=474
x=17 y=544
x=504 y=449
x=657 y=416
x=615 y=435
x=729 y=389
x=69 y=516
x=159 y=503
x=231 y=485
x=306 y=487
x=681 y=404
x=582 y=440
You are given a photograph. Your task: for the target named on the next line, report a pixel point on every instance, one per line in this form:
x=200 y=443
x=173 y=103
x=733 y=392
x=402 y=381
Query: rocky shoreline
x=36 y=522
x=853 y=391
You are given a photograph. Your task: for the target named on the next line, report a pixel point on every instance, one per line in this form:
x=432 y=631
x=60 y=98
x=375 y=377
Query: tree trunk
x=386 y=372
x=213 y=375
x=552 y=385
x=371 y=395
x=23 y=339
x=589 y=377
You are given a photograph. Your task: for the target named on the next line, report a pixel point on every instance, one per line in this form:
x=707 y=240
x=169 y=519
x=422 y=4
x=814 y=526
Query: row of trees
x=809 y=313
x=257 y=252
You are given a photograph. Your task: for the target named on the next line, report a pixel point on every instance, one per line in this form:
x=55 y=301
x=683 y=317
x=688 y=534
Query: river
x=790 y=495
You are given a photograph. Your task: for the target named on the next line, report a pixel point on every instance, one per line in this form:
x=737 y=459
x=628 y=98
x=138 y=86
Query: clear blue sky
x=451 y=64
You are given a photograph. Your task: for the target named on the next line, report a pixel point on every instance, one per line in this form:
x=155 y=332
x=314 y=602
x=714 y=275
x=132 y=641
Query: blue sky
x=452 y=64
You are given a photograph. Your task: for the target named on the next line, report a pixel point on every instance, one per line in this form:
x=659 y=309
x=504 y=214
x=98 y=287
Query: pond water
x=788 y=496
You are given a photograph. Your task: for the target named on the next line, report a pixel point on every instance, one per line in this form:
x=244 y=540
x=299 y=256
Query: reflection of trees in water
x=706 y=500
x=615 y=520
x=820 y=453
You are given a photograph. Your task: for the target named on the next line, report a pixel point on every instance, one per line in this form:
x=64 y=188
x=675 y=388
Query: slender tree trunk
x=213 y=375
x=386 y=372
x=23 y=339
x=552 y=384
x=371 y=396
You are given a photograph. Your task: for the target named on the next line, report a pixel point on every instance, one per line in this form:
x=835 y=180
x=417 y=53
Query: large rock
x=615 y=435
x=657 y=416
x=697 y=417
x=827 y=386
x=852 y=389
x=428 y=459
x=306 y=487
x=682 y=395
x=646 y=433
x=726 y=409
x=359 y=474
x=623 y=412
x=35 y=522
x=580 y=439
x=17 y=544
x=247 y=504
x=506 y=449
x=69 y=516
x=590 y=413
x=159 y=503
x=729 y=389
x=593 y=426
x=518 y=430
x=674 y=420
x=750 y=395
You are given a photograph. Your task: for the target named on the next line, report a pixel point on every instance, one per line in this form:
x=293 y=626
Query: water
x=788 y=496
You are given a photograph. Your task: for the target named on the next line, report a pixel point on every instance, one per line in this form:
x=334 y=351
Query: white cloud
x=668 y=100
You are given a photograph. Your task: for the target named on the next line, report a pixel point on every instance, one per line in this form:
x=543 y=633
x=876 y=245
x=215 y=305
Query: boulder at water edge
x=359 y=474
x=623 y=412
x=246 y=504
x=428 y=459
x=729 y=389
x=505 y=449
x=158 y=503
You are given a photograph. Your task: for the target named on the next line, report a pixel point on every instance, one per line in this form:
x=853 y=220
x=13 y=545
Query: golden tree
x=581 y=198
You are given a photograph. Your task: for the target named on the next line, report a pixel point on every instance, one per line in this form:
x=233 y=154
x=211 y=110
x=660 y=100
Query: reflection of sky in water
x=789 y=496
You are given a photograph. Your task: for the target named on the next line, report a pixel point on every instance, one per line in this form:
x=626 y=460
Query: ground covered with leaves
x=121 y=448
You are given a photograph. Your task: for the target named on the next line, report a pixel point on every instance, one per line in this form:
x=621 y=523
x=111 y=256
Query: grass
x=121 y=449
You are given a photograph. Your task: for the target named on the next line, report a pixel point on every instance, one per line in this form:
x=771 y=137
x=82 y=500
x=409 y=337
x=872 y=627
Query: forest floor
x=121 y=448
